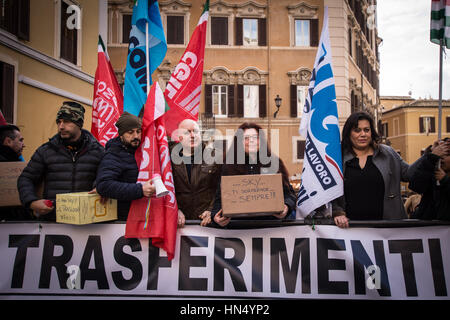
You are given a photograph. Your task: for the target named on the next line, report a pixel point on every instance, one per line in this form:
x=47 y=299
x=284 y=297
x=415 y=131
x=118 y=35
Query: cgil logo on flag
x=184 y=89
x=322 y=179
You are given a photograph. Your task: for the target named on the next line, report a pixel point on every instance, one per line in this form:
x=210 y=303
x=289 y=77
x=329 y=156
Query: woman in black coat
x=245 y=157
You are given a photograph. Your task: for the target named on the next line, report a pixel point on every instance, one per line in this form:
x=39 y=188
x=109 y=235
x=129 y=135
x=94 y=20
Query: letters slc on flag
x=440 y=22
x=108 y=99
x=184 y=89
x=322 y=179
x=146 y=21
x=154 y=217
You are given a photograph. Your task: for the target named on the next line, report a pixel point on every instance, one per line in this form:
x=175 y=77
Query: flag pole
x=147 y=57
x=441 y=49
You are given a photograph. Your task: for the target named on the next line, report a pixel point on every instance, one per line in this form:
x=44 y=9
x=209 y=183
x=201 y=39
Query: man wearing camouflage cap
x=66 y=163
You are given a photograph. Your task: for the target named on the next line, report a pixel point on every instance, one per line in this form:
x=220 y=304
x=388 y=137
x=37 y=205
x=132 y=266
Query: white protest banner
x=54 y=261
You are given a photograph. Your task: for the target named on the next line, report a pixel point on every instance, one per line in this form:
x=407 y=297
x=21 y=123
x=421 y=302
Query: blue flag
x=322 y=179
x=135 y=89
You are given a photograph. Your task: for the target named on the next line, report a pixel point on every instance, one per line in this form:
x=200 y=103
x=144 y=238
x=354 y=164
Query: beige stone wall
x=409 y=141
x=43 y=80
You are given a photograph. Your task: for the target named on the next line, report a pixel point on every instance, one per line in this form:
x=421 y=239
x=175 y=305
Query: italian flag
x=154 y=217
x=440 y=22
x=184 y=89
x=108 y=98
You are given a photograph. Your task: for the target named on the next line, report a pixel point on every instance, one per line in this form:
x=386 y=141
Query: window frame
x=58 y=27
x=295 y=145
x=300 y=106
x=308 y=33
x=218 y=95
x=211 y=31
x=256 y=40
x=255 y=89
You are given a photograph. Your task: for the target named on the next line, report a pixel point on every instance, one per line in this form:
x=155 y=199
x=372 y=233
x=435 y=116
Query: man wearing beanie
x=67 y=163
x=118 y=171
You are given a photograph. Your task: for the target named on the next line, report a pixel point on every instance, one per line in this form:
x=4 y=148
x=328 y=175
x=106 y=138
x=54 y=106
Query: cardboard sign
x=84 y=208
x=9 y=172
x=252 y=195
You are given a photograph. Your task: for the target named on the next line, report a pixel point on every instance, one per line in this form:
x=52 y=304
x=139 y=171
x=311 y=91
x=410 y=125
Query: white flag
x=322 y=179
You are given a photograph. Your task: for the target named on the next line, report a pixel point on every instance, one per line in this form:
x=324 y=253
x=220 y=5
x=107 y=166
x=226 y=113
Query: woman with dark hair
x=250 y=154
x=372 y=175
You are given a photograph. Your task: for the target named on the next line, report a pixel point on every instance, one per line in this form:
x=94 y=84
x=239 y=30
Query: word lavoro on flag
x=322 y=179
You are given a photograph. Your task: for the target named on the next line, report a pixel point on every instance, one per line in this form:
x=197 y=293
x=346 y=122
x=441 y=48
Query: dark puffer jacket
x=60 y=171
x=117 y=176
x=435 y=202
x=8 y=155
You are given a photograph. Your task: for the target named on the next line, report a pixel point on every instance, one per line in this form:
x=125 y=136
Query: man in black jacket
x=432 y=179
x=66 y=163
x=118 y=171
x=11 y=143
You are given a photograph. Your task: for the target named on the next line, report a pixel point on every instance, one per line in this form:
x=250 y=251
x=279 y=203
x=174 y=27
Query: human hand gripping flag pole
x=322 y=180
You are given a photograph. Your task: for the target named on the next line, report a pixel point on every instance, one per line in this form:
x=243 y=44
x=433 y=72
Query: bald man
x=195 y=180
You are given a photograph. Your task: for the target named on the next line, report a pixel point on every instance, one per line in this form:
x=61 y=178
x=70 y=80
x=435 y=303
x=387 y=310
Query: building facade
x=411 y=127
x=261 y=49
x=48 y=54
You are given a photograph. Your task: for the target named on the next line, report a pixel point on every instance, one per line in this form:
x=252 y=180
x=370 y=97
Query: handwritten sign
x=253 y=195
x=9 y=172
x=84 y=208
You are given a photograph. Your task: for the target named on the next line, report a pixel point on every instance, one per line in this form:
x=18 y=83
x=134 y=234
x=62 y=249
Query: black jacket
x=7 y=154
x=60 y=170
x=117 y=176
x=435 y=202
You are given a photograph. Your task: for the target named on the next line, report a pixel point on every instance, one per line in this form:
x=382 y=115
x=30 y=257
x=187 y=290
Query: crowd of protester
x=74 y=161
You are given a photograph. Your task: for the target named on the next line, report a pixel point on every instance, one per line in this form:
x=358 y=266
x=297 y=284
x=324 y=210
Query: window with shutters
x=69 y=33
x=175 y=29
x=302 y=93
x=250 y=24
x=427 y=124
x=298 y=149
x=448 y=124
x=219 y=30
x=7 y=84
x=396 y=127
x=304 y=25
x=15 y=18
x=384 y=130
x=175 y=18
x=126 y=27
x=299 y=84
x=219 y=100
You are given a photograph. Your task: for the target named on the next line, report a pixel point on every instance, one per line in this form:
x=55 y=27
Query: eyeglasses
x=248 y=138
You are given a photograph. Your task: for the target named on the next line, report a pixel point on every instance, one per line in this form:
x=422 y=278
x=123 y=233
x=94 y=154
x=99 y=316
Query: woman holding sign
x=249 y=154
x=372 y=175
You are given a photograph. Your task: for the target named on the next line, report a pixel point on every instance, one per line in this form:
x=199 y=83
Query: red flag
x=154 y=218
x=184 y=89
x=2 y=119
x=108 y=99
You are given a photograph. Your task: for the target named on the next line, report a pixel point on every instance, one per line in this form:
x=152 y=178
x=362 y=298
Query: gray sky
x=409 y=60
